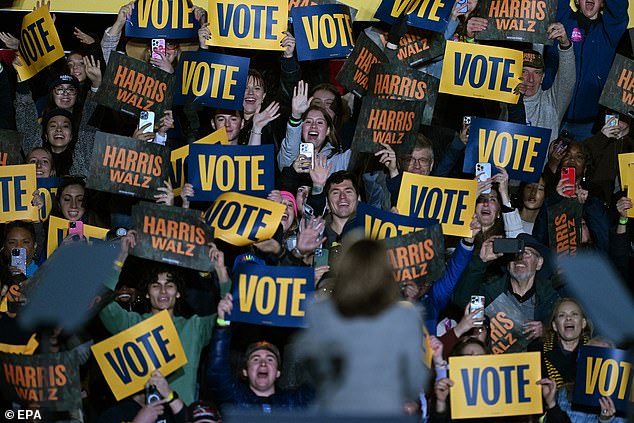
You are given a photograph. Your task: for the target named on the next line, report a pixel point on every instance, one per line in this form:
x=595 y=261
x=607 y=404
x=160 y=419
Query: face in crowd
x=488 y=209
x=325 y=99
x=232 y=123
x=71 y=202
x=569 y=321
x=590 y=8
x=43 y=161
x=315 y=129
x=19 y=238
x=59 y=133
x=262 y=371
x=533 y=195
x=163 y=293
x=526 y=265
x=65 y=96
x=253 y=95
x=419 y=162
x=76 y=66
x=343 y=199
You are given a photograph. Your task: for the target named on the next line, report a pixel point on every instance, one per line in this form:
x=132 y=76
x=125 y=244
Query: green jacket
x=473 y=282
x=195 y=334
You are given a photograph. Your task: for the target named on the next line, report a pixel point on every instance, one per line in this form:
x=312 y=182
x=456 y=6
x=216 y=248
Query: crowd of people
x=362 y=350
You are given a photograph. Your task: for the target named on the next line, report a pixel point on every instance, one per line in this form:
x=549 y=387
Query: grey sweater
x=366 y=365
x=546 y=109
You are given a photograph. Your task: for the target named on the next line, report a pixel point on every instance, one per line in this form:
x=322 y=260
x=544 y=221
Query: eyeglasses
x=528 y=253
x=422 y=162
x=66 y=91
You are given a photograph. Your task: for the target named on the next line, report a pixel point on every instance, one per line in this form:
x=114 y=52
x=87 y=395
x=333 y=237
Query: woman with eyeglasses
x=63 y=93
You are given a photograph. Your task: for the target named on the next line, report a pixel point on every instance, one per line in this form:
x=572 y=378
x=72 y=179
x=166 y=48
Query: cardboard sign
x=10 y=146
x=381 y=224
x=418 y=46
x=603 y=372
x=355 y=72
x=626 y=172
x=419 y=256
x=83 y=6
x=564 y=226
x=216 y=169
x=39 y=43
x=506 y=325
x=398 y=81
x=211 y=79
x=447 y=200
x=618 y=92
x=292 y=4
x=128 y=358
x=272 y=295
x=58 y=230
x=130 y=86
x=322 y=32
x=520 y=149
x=123 y=165
x=364 y=9
x=242 y=219
x=392 y=122
x=426 y=14
x=162 y=19
x=50 y=380
x=493 y=386
x=527 y=22
x=47 y=188
x=172 y=235
x=17 y=184
x=248 y=24
x=479 y=71
x=179 y=156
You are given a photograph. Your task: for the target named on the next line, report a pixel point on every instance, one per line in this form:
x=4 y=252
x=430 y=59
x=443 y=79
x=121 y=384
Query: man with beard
x=531 y=292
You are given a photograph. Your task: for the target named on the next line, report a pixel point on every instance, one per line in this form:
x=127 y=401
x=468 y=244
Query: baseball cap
x=204 y=412
x=263 y=345
x=533 y=59
x=64 y=79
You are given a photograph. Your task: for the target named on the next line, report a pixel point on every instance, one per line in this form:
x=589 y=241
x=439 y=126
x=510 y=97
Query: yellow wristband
x=119 y=264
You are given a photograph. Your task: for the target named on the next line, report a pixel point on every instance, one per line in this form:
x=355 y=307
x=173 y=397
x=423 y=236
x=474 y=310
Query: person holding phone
x=532 y=292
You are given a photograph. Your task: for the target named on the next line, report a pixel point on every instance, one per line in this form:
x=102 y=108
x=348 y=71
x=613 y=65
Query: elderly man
x=533 y=294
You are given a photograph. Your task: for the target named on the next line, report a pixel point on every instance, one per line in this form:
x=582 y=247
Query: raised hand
x=300 y=102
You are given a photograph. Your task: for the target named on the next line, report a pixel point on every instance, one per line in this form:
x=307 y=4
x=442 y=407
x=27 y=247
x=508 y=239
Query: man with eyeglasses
x=420 y=162
x=531 y=292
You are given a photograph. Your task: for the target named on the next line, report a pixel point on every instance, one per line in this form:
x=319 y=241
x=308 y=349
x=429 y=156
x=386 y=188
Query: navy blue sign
x=216 y=169
x=271 y=295
x=520 y=149
x=322 y=32
x=603 y=372
x=168 y=19
x=380 y=224
x=429 y=14
x=47 y=188
x=214 y=80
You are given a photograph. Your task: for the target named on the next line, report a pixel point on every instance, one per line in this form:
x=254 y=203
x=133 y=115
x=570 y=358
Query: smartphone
x=145 y=118
x=568 y=174
x=151 y=394
x=508 y=246
x=18 y=259
x=563 y=145
x=321 y=257
x=158 y=44
x=477 y=303
x=463 y=6
x=483 y=171
x=76 y=228
x=308 y=149
x=612 y=120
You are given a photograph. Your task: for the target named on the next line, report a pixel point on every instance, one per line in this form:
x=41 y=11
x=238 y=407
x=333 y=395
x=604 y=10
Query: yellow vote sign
x=58 y=230
x=39 y=43
x=626 y=170
x=449 y=201
x=83 y=6
x=242 y=219
x=474 y=70
x=178 y=157
x=495 y=385
x=128 y=358
x=248 y=24
x=17 y=184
